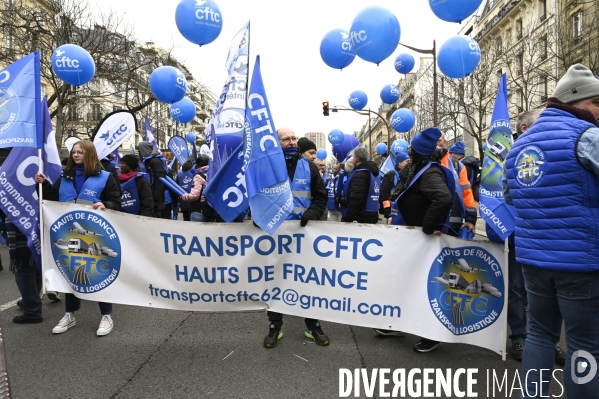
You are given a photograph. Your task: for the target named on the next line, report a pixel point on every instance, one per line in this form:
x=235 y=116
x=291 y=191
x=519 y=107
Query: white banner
x=113 y=131
x=391 y=277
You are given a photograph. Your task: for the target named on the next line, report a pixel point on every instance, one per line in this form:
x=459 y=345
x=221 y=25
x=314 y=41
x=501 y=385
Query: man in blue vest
x=362 y=190
x=309 y=202
x=553 y=183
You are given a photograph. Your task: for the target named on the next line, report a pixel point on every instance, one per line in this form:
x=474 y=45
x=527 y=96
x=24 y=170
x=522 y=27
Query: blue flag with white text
x=266 y=177
x=149 y=136
x=226 y=191
x=20 y=103
x=20 y=201
x=387 y=165
x=493 y=208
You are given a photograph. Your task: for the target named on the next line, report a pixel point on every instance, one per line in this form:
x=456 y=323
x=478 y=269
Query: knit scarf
x=123 y=177
x=409 y=171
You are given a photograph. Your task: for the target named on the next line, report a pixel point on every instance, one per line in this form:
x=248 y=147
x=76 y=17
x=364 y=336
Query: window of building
x=499 y=74
x=519 y=29
x=520 y=99
x=96 y=112
x=9 y=38
x=543 y=90
x=39 y=17
x=94 y=88
x=577 y=25
x=72 y=113
x=498 y=46
x=520 y=64
x=542 y=10
x=543 y=47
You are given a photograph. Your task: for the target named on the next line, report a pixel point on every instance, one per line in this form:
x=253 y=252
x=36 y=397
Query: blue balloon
x=403 y=120
x=349 y=143
x=321 y=153
x=454 y=10
x=374 y=34
x=73 y=64
x=190 y=137
x=390 y=94
x=357 y=100
x=199 y=21
x=458 y=57
x=168 y=84
x=398 y=146
x=381 y=148
x=336 y=137
x=335 y=49
x=404 y=63
x=183 y=111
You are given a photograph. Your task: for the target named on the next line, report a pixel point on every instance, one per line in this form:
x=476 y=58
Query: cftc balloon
x=381 y=148
x=321 y=153
x=390 y=94
x=398 y=146
x=403 y=120
x=335 y=49
x=183 y=111
x=349 y=143
x=404 y=63
x=454 y=10
x=168 y=84
x=374 y=34
x=199 y=21
x=190 y=137
x=458 y=57
x=336 y=137
x=358 y=100
x=73 y=64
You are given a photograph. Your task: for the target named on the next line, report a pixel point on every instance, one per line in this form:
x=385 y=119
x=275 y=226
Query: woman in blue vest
x=83 y=181
x=390 y=180
x=137 y=194
x=185 y=180
x=423 y=197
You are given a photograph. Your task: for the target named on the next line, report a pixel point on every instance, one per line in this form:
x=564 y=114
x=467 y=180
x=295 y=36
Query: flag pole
x=40 y=164
x=506 y=279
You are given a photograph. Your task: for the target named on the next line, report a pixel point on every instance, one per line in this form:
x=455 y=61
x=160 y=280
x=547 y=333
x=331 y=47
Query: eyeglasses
x=78 y=152
x=286 y=139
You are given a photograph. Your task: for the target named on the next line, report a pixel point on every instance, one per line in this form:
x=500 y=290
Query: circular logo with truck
x=465 y=289
x=86 y=250
x=530 y=166
x=9 y=108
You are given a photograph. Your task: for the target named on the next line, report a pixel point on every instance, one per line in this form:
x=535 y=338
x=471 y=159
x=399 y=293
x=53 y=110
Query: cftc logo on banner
x=465 y=289
x=86 y=250
x=9 y=108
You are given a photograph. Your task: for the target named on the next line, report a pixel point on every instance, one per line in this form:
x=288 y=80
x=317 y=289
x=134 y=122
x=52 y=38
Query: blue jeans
x=553 y=295
x=29 y=282
x=516 y=308
x=198 y=217
x=72 y=303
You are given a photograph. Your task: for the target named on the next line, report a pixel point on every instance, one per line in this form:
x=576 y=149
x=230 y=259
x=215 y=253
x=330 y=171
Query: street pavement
x=154 y=353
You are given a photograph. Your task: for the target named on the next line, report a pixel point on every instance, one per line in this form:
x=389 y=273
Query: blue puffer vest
x=556 y=198
x=90 y=191
x=300 y=189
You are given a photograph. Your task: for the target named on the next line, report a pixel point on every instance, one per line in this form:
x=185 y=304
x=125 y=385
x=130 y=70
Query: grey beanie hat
x=577 y=84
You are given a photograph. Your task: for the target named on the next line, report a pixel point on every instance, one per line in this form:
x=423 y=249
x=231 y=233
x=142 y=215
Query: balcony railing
x=505 y=10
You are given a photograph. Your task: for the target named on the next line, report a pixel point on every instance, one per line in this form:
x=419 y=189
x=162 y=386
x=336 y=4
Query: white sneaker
x=65 y=323
x=106 y=325
x=53 y=296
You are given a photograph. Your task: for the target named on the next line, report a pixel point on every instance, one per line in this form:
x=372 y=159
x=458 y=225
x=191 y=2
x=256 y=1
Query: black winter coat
x=110 y=197
x=427 y=202
x=317 y=189
x=387 y=186
x=156 y=170
x=357 y=195
x=110 y=168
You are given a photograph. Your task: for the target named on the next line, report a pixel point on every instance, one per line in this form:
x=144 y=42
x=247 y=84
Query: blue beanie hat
x=458 y=148
x=401 y=156
x=425 y=142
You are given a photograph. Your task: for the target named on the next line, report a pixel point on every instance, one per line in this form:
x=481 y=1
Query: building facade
x=318 y=138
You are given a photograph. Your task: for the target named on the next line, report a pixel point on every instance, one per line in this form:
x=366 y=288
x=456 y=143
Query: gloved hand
x=304 y=221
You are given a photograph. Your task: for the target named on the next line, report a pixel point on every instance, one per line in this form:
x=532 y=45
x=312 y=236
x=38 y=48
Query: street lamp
x=435 y=90
x=368 y=112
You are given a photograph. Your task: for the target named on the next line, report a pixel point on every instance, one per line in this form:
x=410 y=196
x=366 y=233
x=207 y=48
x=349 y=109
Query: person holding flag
x=333 y=206
x=154 y=163
x=309 y=202
x=361 y=192
x=81 y=181
x=185 y=179
x=194 y=199
x=553 y=184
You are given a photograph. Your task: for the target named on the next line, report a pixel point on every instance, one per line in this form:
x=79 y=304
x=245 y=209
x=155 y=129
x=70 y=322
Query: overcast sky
x=287 y=35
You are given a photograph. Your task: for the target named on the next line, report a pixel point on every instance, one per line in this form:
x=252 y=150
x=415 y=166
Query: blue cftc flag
x=20 y=103
x=266 y=178
x=149 y=136
x=493 y=208
x=20 y=201
x=387 y=165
